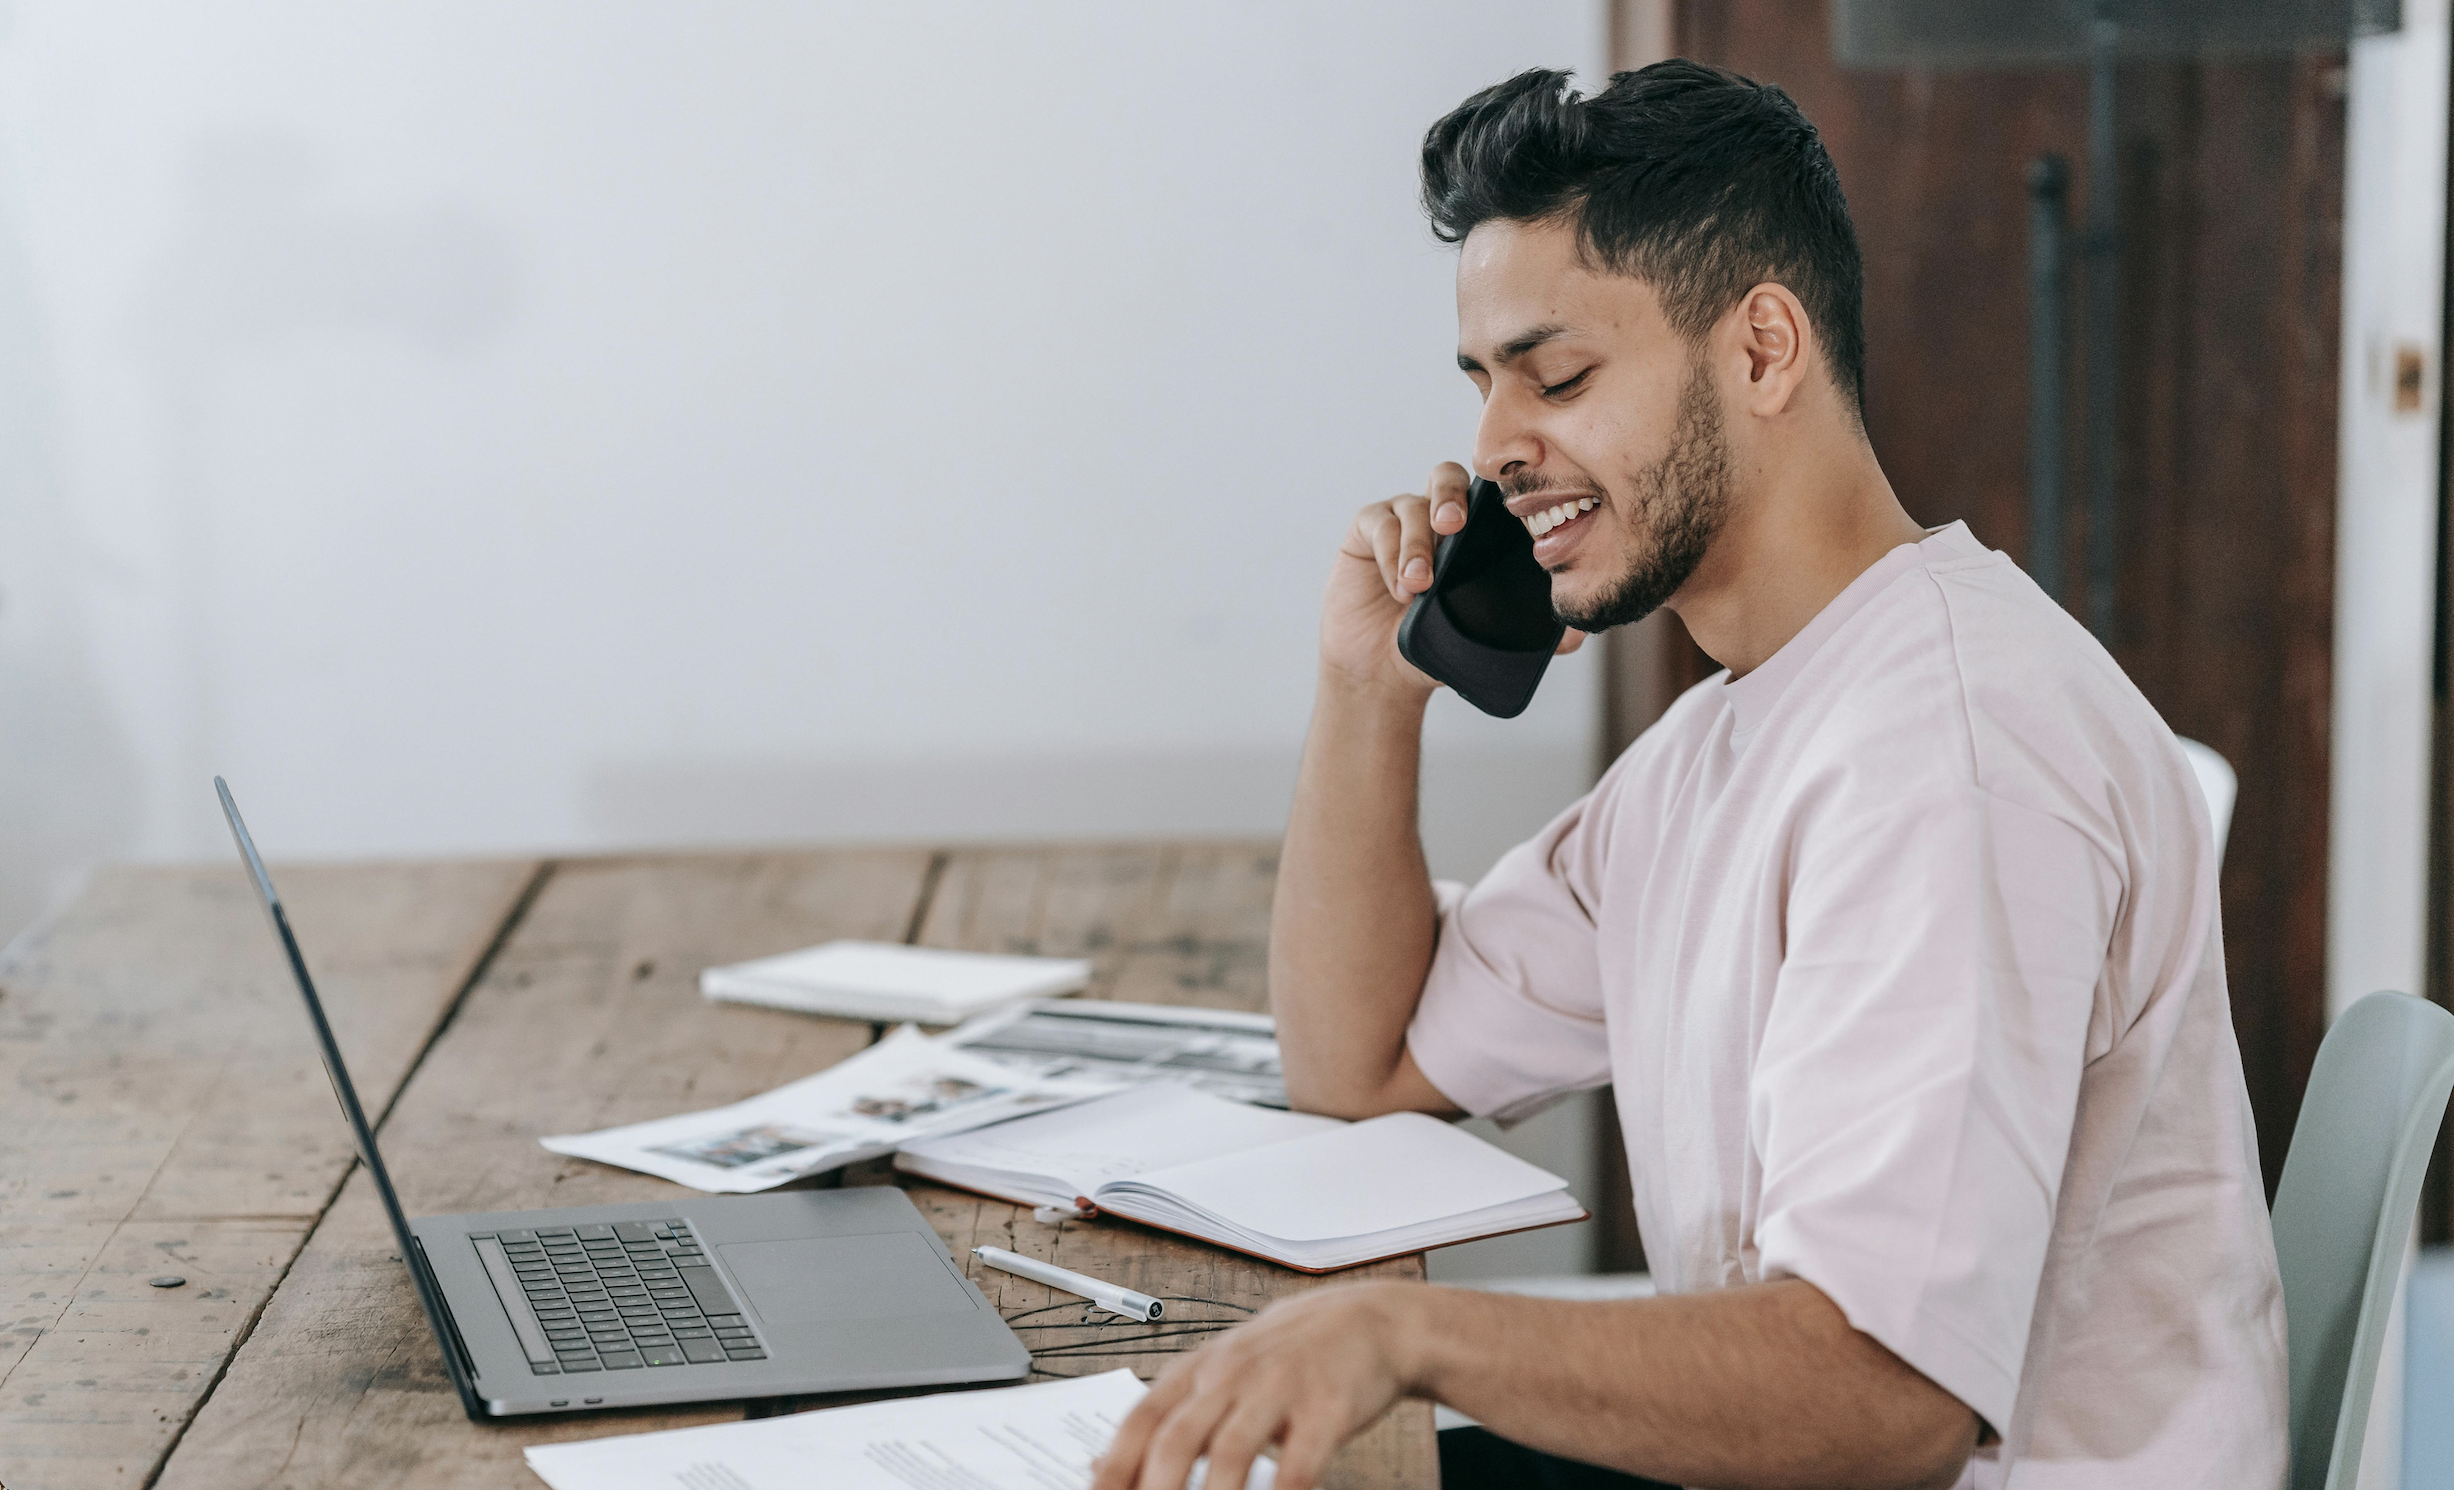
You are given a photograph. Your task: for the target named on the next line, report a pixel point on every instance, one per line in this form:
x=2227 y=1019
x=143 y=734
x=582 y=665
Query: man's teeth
x=1544 y=521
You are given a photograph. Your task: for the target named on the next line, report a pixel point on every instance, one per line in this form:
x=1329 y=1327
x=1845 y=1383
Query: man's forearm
x=1766 y=1385
x=1353 y=924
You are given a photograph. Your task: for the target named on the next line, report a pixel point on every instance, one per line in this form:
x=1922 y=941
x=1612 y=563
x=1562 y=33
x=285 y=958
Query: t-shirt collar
x=1751 y=698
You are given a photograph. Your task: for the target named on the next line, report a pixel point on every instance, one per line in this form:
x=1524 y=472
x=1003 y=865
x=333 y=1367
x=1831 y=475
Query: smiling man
x=1897 y=941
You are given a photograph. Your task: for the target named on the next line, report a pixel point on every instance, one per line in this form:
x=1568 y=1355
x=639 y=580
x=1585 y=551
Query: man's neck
x=1790 y=546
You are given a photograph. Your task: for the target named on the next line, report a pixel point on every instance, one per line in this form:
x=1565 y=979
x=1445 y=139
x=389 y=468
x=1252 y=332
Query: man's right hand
x=1385 y=562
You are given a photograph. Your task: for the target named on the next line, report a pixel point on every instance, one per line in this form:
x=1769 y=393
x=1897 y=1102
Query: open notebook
x=1310 y=1192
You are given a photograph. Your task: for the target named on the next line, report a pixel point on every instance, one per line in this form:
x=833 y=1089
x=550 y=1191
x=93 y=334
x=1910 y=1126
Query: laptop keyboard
x=619 y=1297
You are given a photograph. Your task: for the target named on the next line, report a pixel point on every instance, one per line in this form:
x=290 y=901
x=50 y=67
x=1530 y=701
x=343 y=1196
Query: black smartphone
x=1485 y=627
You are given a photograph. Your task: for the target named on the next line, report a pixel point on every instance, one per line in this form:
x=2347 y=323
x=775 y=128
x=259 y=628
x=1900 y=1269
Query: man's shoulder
x=1972 y=612
x=1959 y=674
x=1965 y=672
x=2030 y=675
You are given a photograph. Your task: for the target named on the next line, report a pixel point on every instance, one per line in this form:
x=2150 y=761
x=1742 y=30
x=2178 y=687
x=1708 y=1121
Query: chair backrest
x=2343 y=1215
x=2220 y=786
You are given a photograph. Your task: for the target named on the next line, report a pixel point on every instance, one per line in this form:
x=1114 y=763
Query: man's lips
x=1548 y=512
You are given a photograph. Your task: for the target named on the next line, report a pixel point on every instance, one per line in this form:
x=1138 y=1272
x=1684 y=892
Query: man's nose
x=1504 y=441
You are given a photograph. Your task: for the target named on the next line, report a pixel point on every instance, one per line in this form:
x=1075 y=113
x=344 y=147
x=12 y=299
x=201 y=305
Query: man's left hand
x=1306 y=1374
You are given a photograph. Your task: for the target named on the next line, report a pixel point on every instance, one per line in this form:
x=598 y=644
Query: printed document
x=1015 y=1438
x=905 y=1087
x=1219 y=1051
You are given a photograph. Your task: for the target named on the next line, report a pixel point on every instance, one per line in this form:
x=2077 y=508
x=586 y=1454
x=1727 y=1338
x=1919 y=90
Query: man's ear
x=1778 y=342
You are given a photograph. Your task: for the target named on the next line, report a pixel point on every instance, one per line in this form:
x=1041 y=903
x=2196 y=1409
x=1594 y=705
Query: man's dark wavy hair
x=1695 y=180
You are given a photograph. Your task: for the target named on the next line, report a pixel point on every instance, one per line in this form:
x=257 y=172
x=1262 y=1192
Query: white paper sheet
x=906 y=1086
x=1016 y=1438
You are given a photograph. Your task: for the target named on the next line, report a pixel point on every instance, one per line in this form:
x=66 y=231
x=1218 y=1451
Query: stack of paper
x=887 y=981
x=1018 y=1438
x=904 y=1087
x=1221 y=1051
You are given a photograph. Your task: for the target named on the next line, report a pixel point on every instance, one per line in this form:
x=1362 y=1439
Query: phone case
x=1485 y=627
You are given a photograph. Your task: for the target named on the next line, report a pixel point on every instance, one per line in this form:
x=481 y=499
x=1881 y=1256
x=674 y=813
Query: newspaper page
x=1040 y=1437
x=1219 y=1051
x=906 y=1086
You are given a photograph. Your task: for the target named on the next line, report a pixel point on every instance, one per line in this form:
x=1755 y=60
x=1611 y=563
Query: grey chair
x=2343 y=1215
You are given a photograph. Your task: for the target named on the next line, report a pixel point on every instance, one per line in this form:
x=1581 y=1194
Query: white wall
x=478 y=427
x=2386 y=549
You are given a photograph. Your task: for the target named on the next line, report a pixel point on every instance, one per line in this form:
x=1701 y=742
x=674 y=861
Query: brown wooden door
x=2232 y=195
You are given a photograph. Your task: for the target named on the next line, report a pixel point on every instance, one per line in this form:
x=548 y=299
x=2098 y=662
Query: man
x=1898 y=941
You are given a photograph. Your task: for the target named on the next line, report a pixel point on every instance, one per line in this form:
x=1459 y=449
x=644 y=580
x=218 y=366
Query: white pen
x=1106 y=1295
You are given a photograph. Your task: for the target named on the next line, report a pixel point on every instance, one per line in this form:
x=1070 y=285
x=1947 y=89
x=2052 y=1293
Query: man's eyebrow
x=1515 y=347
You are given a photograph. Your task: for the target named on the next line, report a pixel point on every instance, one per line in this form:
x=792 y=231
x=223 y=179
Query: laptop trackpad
x=845 y=1277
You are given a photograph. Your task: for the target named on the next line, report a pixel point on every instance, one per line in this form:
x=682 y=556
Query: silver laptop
x=686 y=1300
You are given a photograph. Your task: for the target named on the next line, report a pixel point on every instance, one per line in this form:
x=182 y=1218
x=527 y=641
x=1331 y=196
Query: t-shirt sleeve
x=1511 y=1013
x=1918 y=1076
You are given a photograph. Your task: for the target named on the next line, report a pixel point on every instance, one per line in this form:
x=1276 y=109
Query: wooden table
x=162 y=1111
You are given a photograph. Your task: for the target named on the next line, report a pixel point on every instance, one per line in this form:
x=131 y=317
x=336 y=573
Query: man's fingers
x=1570 y=641
x=1310 y=1439
x=1363 y=530
x=1401 y=545
x=1447 y=490
x=1385 y=533
x=1239 y=1440
x=1414 y=547
x=1120 y=1467
x=1400 y=534
x=1168 y=1462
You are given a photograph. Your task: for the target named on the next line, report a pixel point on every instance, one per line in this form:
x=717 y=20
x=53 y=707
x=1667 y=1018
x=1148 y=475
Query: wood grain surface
x=1161 y=923
x=166 y=1115
x=1167 y=924
x=588 y=1015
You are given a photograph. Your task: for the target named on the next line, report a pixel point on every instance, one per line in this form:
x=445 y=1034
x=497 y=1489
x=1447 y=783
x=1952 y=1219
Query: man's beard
x=1681 y=501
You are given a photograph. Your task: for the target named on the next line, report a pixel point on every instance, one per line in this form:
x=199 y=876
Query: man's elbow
x=1898 y=1427
x=1929 y=1448
x=1350 y=1100
x=1353 y=1095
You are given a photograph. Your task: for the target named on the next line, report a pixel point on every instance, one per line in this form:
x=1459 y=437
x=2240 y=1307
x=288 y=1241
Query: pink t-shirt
x=1903 y=956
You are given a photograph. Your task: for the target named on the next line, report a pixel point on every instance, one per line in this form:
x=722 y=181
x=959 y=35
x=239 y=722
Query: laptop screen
x=454 y=1360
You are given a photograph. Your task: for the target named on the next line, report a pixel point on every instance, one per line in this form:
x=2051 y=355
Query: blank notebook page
x=1403 y=1169
x=1110 y=1138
